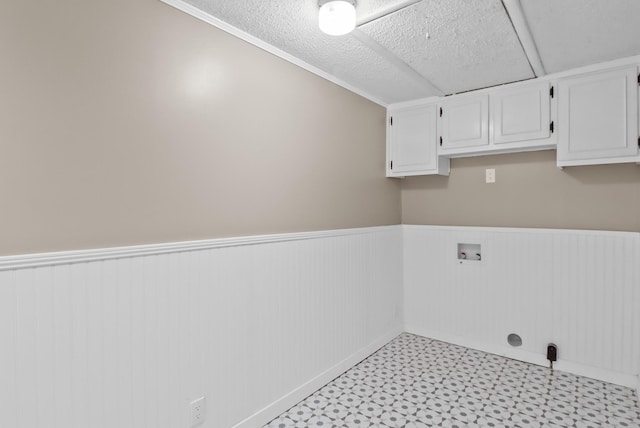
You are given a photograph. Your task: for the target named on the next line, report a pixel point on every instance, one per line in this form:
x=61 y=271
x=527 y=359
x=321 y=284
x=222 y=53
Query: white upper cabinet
x=464 y=123
x=521 y=115
x=590 y=115
x=411 y=142
x=598 y=118
x=501 y=120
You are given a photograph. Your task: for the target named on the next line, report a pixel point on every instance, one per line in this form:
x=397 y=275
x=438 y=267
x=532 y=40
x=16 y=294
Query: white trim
x=620 y=62
x=630 y=381
x=387 y=10
x=77 y=256
x=281 y=405
x=520 y=230
x=516 y=354
x=521 y=27
x=413 y=103
x=561 y=164
x=626 y=380
x=210 y=19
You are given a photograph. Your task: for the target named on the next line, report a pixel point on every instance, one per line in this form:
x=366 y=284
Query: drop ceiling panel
x=471 y=44
x=574 y=33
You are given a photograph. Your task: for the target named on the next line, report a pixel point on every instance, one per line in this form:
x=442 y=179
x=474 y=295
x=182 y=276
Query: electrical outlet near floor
x=197 y=412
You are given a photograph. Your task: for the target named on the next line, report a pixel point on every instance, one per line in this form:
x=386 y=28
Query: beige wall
x=128 y=122
x=530 y=191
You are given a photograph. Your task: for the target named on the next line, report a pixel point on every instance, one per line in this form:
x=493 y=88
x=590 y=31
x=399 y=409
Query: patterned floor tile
x=622 y=423
x=559 y=418
x=522 y=420
x=587 y=424
x=624 y=411
x=356 y=420
x=299 y=413
x=489 y=422
x=415 y=397
x=363 y=390
x=563 y=407
x=417 y=382
x=590 y=415
x=336 y=411
x=464 y=415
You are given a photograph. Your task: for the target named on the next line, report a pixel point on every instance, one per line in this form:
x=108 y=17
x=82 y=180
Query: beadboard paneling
x=129 y=340
x=577 y=289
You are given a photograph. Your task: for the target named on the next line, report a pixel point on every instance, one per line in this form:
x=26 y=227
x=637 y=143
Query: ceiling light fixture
x=337 y=17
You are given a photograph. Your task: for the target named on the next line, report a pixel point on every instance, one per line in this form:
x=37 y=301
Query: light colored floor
x=414 y=381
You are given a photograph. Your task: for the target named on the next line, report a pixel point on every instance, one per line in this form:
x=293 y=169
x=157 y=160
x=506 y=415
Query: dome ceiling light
x=337 y=17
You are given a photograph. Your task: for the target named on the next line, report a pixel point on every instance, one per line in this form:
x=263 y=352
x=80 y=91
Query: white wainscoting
x=577 y=289
x=127 y=337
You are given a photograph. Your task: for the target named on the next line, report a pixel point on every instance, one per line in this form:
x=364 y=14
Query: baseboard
x=281 y=405
x=529 y=357
x=629 y=381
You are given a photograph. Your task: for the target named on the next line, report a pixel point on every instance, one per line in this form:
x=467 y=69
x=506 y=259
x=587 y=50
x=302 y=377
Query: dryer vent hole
x=514 y=340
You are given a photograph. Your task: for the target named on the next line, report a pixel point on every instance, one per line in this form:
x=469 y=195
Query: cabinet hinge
x=551 y=92
x=551 y=127
x=391 y=165
x=440 y=111
x=440 y=141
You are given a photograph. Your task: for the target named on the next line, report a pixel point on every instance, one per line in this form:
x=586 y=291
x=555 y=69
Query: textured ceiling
x=573 y=33
x=471 y=44
x=459 y=54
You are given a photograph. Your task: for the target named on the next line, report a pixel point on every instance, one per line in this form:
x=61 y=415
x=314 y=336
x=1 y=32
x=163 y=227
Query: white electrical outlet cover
x=490 y=175
x=198 y=412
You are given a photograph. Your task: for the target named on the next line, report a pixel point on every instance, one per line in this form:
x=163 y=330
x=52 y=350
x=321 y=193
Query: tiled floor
x=418 y=382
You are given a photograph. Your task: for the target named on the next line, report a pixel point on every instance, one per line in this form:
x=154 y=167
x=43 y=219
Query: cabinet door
x=465 y=123
x=412 y=139
x=598 y=117
x=521 y=114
